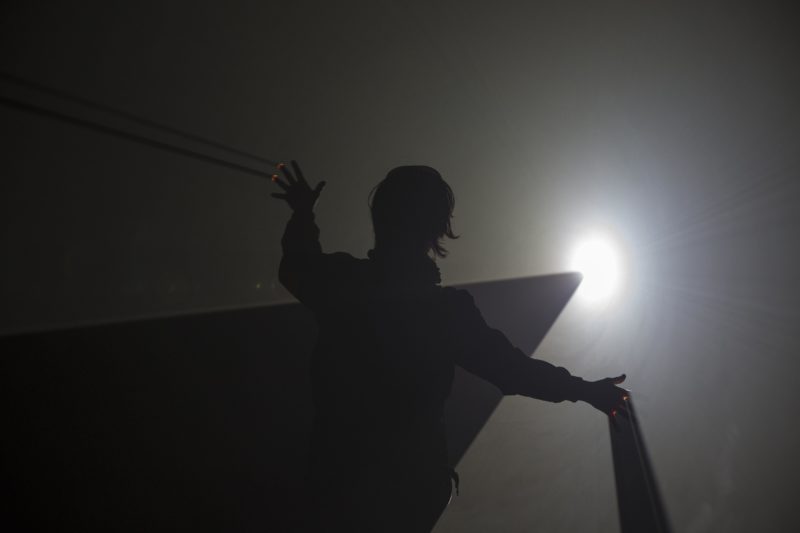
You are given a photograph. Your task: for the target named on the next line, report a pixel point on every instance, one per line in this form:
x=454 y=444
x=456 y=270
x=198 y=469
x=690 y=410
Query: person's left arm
x=487 y=353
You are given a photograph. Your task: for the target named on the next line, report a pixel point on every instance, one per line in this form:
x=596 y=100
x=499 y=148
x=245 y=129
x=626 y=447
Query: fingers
x=282 y=184
x=618 y=412
x=287 y=173
x=299 y=173
x=298 y=193
x=612 y=421
x=623 y=394
x=615 y=381
x=622 y=401
x=621 y=407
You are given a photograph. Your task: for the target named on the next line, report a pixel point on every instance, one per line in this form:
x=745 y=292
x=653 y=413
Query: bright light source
x=600 y=262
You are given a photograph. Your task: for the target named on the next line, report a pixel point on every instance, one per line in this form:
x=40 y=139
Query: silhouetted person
x=389 y=338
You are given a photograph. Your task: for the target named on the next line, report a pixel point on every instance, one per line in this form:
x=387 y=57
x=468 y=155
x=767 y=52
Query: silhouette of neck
x=407 y=252
x=406 y=263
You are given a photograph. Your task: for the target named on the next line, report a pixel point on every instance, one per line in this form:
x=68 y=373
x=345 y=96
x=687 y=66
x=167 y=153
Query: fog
x=673 y=128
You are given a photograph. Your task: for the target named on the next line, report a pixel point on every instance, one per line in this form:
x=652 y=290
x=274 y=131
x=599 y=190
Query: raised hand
x=605 y=396
x=297 y=192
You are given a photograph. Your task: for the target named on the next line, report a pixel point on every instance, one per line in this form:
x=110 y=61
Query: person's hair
x=414 y=205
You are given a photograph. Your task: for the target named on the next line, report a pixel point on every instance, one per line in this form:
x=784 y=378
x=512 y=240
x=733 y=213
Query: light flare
x=599 y=260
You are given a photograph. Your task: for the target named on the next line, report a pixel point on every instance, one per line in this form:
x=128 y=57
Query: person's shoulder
x=342 y=257
x=460 y=306
x=457 y=296
x=344 y=263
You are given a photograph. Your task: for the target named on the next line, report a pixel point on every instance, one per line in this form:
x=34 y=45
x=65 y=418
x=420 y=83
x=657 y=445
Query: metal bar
x=639 y=502
x=87 y=124
x=74 y=98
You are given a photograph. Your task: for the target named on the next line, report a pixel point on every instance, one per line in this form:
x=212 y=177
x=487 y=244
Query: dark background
x=674 y=127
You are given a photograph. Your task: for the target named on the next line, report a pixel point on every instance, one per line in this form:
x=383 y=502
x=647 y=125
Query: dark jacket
x=383 y=364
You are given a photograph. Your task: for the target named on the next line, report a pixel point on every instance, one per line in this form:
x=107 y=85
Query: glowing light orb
x=599 y=260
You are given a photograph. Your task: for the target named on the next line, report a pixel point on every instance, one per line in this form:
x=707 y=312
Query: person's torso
x=383 y=365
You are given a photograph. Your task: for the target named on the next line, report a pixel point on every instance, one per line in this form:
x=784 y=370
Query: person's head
x=411 y=210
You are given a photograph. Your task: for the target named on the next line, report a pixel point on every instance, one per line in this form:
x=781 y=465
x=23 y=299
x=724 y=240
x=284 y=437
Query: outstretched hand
x=605 y=396
x=297 y=192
